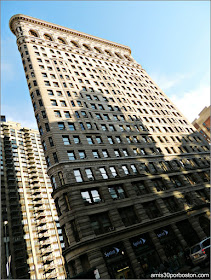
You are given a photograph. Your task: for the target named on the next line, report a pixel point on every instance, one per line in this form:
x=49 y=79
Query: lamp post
x=8 y=257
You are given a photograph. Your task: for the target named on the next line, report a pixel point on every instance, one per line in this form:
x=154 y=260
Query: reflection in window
x=91 y=196
x=103 y=173
x=77 y=175
x=117 y=192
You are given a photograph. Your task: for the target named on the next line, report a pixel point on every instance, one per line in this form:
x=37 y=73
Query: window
x=67 y=114
x=105 y=153
x=83 y=113
x=99 y=140
x=89 y=140
x=113 y=171
x=55 y=158
x=125 y=169
x=117 y=192
x=133 y=167
x=100 y=223
x=33 y=33
x=76 y=139
x=54 y=103
x=71 y=126
x=61 y=126
x=140 y=187
x=151 y=210
x=89 y=174
x=62 y=41
x=43 y=114
x=66 y=140
x=89 y=125
x=125 y=152
x=66 y=201
x=117 y=153
x=47 y=37
x=77 y=175
x=159 y=185
x=82 y=126
x=171 y=204
x=51 y=141
x=44 y=145
x=104 y=128
x=61 y=178
x=190 y=179
x=48 y=161
x=110 y=140
x=111 y=127
x=82 y=154
x=143 y=152
x=47 y=127
x=75 y=231
x=152 y=167
x=103 y=173
x=53 y=182
x=98 y=116
x=176 y=181
x=57 y=114
x=91 y=196
x=95 y=154
x=118 y=139
x=128 y=216
x=71 y=155
x=63 y=103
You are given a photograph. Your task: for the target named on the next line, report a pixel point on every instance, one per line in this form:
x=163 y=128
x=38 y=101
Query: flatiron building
x=130 y=174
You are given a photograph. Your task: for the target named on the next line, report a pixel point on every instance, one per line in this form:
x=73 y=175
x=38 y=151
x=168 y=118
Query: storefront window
x=172 y=248
x=146 y=254
x=117 y=262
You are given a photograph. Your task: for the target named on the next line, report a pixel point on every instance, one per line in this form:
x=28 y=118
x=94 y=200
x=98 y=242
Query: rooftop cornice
x=63 y=29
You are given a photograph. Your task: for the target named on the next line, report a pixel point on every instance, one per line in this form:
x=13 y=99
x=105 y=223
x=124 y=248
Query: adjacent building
x=202 y=123
x=130 y=174
x=31 y=239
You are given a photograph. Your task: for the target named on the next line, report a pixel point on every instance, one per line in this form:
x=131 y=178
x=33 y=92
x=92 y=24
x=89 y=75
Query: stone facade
x=127 y=168
x=202 y=123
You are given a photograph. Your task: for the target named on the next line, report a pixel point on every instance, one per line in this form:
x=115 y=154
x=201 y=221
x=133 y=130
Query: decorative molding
x=20 y=17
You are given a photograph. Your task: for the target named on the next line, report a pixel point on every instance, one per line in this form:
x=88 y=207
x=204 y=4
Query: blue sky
x=170 y=39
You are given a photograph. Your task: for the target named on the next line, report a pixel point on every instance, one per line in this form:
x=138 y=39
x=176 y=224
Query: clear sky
x=170 y=39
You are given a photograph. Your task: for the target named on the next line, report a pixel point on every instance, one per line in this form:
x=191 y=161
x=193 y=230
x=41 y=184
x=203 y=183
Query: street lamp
x=8 y=257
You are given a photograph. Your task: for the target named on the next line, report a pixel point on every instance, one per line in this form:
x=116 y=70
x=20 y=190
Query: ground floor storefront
x=158 y=250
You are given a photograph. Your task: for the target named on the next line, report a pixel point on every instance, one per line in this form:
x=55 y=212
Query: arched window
x=87 y=47
x=74 y=44
x=33 y=33
x=48 y=37
x=107 y=52
x=62 y=41
x=98 y=50
x=118 y=55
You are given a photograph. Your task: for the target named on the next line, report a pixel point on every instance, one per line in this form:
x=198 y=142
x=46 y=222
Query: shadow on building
x=142 y=216
x=15 y=254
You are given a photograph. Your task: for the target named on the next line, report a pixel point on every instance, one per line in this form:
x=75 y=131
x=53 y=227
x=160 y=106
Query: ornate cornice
x=63 y=29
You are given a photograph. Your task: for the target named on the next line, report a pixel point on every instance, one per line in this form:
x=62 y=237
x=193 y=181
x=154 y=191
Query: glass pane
x=86 y=197
x=113 y=193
